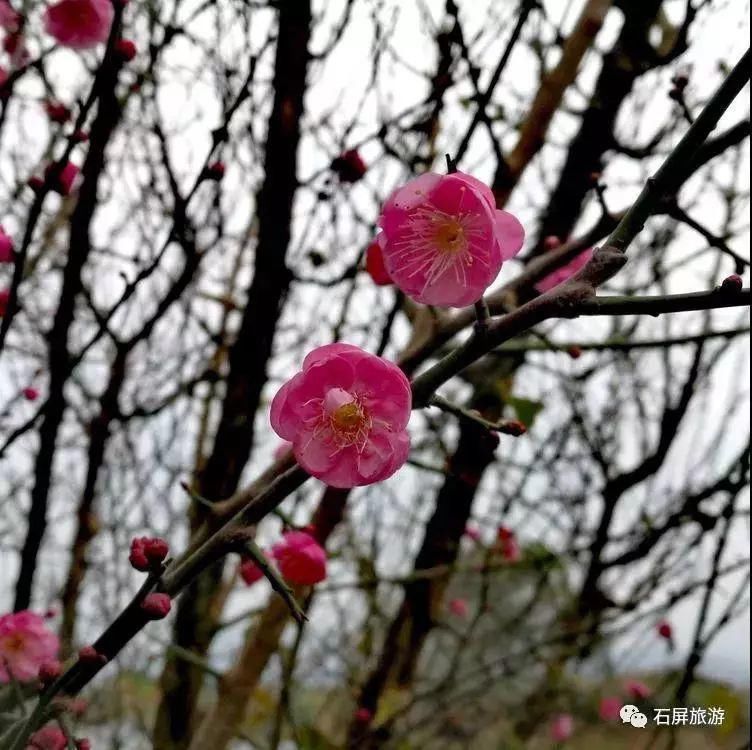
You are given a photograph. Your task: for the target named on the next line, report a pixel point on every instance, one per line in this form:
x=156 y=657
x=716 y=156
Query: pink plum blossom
x=443 y=239
x=50 y=737
x=9 y=18
x=608 y=708
x=25 y=644
x=459 y=608
x=79 y=24
x=6 y=247
x=562 y=727
x=637 y=690
x=300 y=558
x=564 y=272
x=375 y=265
x=345 y=415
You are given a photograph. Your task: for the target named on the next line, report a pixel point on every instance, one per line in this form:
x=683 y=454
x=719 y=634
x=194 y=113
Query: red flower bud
x=156 y=606
x=125 y=49
x=512 y=427
x=216 y=171
x=551 y=242
x=156 y=550
x=375 y=265
x=57 y=112
x=83 y=744
x=732 y=284
x=364 y=716
x=665 y=630
x=30 y=393
x=574 y=352
x=349 y=166
x=80 y=136
x=137 y=556
x=50 y=671
x=35 y=182
x=89 y=655
x=250 y=572
x=680 y=81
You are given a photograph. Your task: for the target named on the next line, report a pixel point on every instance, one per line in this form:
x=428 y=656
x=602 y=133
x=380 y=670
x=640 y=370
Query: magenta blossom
x=79 y=24
x=25 y=644
x=637 y=690
x=443 y=240
x=608 y=708
x=6 y=247
x=50 y=737
x=300 y=558
x=562 y=274
x=346 y=415
x=9 y=18
x=562 y=727
x=250 y=572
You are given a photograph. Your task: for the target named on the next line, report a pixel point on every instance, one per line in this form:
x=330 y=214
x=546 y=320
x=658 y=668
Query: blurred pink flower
x=637 y=690
x=443 y=240
x=472 y=533
x=375 y=265
x=50 y=737
x=346 y=415
x=562 y=274
x=608 y=708
x=25 y=644
x=300 y=558
x=6 y=247
x=508 y=544
x=79 y=24
x=364 y=716
x=250 y=572
x=9 y=18
x=459 y=608
x=562 y=727
x=63 y=183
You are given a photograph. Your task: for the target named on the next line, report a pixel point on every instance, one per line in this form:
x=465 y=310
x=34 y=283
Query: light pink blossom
x=637 y=690
x=79 y=24
x=25 y=644
x=300 y=558
x=345 y=415
x=443 y=239
x=459 y=608
x=560 y=275
x=9 y=18
x=608 y=708
x=50 y=737
x=562 y=727
x=6 y=247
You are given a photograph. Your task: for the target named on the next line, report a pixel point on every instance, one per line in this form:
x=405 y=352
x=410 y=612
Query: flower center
x=348 y=421
x=450 y=236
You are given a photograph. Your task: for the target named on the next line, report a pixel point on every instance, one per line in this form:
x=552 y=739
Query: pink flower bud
x=459 y=608
x=562 y=727
x=125 y=49
x=301 y=559
x=637 y=690
x=35 y=182
x=50 y=737
x=89 y=655
x=250 y=572
x=609 y=708
x=6 y=247
x=63 y=182
x=30 y=393
x=732 y=284
x=551 y=242
x=156 y=550
x=375 y=265
x=49 y=671
x=156 y=606
x=665 y=630
x=137 y=556
x=83 y=744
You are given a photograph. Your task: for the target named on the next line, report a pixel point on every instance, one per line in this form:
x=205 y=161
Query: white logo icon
x=631 y=715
